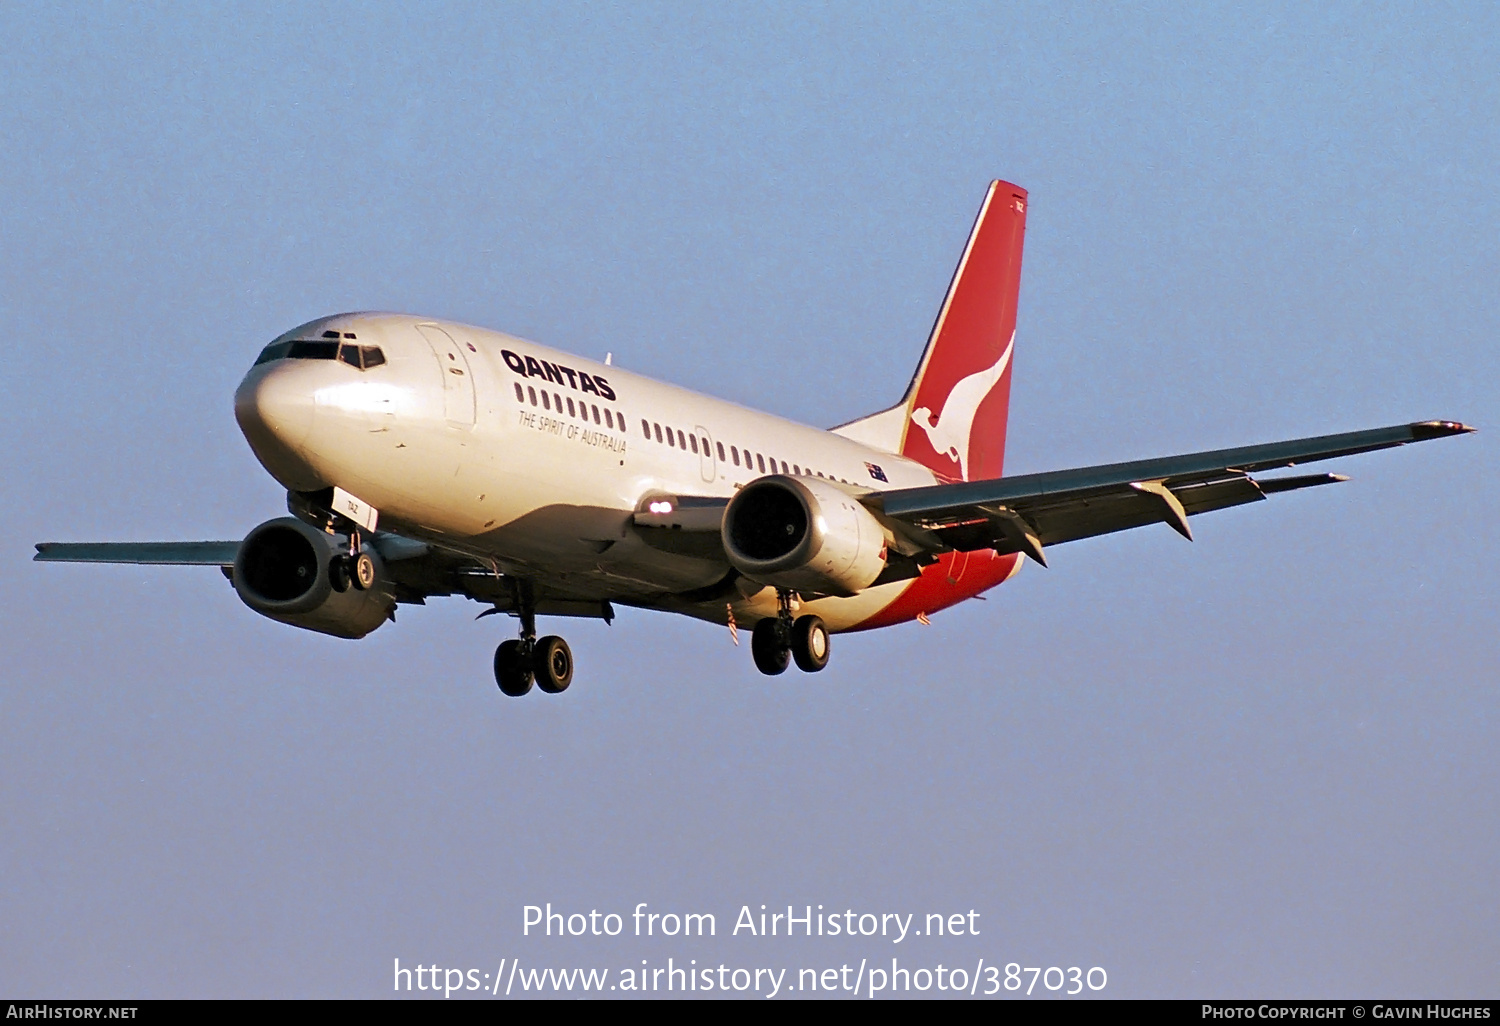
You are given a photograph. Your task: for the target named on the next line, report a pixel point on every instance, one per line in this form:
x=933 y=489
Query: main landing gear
x=520 y=662
x=778 y=640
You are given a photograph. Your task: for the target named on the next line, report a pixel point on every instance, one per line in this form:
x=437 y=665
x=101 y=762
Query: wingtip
x=1426 y=429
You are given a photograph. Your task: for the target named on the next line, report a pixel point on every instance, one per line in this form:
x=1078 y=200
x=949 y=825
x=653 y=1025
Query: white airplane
x=425 y=458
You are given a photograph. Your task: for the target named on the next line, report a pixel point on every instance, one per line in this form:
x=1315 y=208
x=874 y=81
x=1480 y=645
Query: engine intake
x=803 y=534
x=283 y=571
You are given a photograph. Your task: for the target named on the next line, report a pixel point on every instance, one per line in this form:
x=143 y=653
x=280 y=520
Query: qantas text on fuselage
x=425 y=458
x=579 y=381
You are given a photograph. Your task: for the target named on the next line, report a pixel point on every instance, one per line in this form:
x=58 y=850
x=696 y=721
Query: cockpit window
x=274 y=351
x=361 y=357
x=314 y=351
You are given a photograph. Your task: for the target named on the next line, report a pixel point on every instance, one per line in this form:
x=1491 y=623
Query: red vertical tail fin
x=957 y=405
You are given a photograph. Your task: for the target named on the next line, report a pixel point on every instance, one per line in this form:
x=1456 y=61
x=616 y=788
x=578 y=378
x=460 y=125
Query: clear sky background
x=1260 y=764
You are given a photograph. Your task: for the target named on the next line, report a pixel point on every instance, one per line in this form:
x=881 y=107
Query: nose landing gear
x=356 y=568
x=777 y=641
x=546 y=662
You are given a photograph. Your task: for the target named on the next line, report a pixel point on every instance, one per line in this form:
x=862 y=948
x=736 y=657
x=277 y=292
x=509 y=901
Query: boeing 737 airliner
x=426 y=458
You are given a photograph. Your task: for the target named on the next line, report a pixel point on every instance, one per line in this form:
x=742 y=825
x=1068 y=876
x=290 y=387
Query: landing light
x=661 y=507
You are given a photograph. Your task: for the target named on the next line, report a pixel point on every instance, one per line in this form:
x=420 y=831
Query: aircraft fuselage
x=535 y=461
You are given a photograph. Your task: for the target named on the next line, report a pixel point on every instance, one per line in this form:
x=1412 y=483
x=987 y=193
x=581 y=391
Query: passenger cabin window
x=760 y=461
x=520 y=395
x=734 y=454
x=681 y=442
x=657 y=428
x=720 y=446
x=546 y=403
x=693 y=439
x=531 y=393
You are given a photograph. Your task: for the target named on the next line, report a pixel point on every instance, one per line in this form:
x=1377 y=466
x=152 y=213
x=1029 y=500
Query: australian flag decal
x=876 y=472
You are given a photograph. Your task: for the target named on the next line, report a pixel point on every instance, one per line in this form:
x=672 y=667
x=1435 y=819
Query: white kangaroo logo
x=950 y=434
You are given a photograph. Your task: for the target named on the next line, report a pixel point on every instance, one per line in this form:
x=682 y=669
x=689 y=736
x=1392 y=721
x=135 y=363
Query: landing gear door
x=458 y=378
x=706 y=454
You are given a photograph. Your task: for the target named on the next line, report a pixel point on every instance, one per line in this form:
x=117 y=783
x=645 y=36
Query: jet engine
x=803 y=534
x=290 y=571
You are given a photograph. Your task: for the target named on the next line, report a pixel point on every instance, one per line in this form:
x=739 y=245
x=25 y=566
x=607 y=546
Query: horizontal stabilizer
x=190 y=553
x=1272 y=485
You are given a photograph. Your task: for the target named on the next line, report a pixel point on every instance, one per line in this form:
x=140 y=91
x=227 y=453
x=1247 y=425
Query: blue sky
x=1259 y=764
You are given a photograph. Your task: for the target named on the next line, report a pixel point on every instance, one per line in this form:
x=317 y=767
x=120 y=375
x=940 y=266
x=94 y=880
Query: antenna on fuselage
x=608 y=358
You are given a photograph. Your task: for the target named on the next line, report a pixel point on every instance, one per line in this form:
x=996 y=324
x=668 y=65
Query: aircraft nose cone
x=274 y=408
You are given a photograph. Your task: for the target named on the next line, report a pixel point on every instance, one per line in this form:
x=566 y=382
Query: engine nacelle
x=803 y=534
x=282 y=571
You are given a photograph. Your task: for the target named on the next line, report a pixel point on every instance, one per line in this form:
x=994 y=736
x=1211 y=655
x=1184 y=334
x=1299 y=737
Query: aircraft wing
x=178 y=553
x=1030 y=512
x=417 y=570
x=1012 y=514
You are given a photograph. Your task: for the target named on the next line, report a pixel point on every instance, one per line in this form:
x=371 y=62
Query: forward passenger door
x=458 y=377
